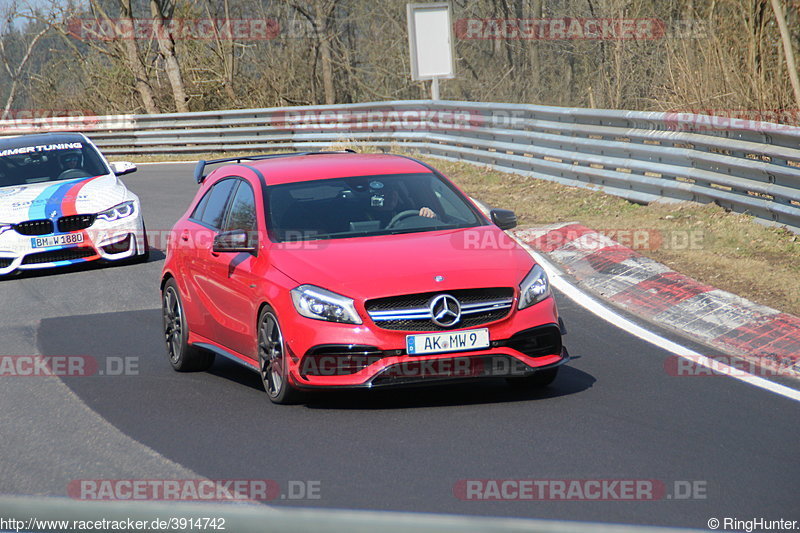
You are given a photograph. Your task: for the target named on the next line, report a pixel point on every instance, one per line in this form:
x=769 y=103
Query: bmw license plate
x=56 y=240
x=456 y=341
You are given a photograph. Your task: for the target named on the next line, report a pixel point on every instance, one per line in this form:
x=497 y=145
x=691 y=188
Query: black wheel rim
x=271 y=354
x=173 y=324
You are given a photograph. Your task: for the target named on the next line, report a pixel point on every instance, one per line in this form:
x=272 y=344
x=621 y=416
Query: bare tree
x=225 y=50
x=788 y=52
x=162 y=10
x=121 y=49
x=19 y=64
x=135 y=63
x=320 y=19
x=322 y=14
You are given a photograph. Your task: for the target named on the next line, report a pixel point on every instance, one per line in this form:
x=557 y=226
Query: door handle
x=185 y=236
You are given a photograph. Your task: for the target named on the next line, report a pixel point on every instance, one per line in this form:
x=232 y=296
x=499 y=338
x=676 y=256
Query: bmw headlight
x=534 y=288
x=123 y=210
x=321 y=304
x=4 y=227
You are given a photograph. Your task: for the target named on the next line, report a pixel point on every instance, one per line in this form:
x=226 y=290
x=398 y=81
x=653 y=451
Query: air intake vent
x=75 y=223
x=58 y=255
x=34 y=227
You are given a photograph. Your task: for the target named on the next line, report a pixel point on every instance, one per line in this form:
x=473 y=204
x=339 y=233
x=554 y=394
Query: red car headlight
x=534 y=288
x=321 y=304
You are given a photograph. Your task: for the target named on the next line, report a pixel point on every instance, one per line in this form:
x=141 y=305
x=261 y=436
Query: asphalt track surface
x=613 y=413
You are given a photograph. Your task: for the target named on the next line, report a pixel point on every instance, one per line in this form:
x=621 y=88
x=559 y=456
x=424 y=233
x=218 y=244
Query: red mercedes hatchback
x=341 y=270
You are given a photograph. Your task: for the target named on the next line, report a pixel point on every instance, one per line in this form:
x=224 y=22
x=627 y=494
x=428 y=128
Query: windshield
x=365 y=206
x=24 y=162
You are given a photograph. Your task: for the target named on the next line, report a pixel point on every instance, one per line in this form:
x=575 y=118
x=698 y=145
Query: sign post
x=430 y=41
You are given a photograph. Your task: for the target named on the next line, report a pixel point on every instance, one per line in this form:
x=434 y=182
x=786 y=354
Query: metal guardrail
x=641 y=156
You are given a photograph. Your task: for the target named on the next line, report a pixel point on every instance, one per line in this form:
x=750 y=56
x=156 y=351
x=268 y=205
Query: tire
x=539 y=380
x=182 y=356
x=272 y=363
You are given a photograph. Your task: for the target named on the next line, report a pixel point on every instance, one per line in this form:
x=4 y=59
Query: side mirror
x=122 y=167
x=503 y=218
x=233 y=241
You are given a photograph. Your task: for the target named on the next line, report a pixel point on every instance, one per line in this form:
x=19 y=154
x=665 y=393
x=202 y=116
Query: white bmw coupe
x=62 y=203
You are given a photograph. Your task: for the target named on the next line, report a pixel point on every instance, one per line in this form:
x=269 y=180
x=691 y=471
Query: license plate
x=56 y=240
x=456 y=341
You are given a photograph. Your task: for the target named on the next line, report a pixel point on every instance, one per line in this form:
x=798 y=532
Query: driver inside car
x=72 y=160
x=386 y=203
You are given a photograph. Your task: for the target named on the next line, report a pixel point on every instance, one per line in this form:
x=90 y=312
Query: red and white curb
x=650 y=290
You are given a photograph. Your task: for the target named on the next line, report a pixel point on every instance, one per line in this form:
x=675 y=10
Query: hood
x=374 y=267
x=56 y=198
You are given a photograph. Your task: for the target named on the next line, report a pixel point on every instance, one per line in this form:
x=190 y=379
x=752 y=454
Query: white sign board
x=430 y=40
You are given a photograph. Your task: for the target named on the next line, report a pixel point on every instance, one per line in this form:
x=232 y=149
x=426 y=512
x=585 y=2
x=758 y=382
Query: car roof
x=35 y=139
x=291 y=169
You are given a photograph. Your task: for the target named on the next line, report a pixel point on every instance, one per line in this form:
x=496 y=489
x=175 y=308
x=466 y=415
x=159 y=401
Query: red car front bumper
x=330 y=355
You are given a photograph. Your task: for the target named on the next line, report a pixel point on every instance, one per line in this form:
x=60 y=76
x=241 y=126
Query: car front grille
x=34 y=227
x=412 y=312
x=58 y=255
x=75 y=222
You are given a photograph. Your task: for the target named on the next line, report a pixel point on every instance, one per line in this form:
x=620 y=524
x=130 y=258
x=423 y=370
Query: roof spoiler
x=201 y=165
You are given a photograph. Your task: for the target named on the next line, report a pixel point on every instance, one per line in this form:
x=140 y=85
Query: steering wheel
x=73 y=173
x=402 y=215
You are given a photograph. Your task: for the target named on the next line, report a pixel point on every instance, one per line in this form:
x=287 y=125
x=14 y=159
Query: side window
x=211 y=209
x=197 y=214
x=452 y=205
x=242 y=213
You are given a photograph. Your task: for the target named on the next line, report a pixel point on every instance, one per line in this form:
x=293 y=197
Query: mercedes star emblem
x=445 y=310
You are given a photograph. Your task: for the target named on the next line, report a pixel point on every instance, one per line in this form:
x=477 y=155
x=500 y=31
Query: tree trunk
x=230 y=58
x=322 y=16
x=10 y=99
x=534 y=61
x=166 y=45
x=788 y=52
x=130 y=49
